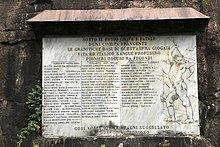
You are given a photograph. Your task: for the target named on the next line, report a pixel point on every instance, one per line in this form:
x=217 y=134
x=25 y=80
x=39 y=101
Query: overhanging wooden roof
x=182 y=13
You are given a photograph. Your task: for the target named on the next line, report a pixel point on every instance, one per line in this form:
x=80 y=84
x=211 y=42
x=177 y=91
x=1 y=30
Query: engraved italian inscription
x=119 y=85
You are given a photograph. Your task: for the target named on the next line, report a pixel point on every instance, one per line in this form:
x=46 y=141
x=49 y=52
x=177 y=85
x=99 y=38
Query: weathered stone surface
x=16 y=36
x=21 y=59
x=1 y=137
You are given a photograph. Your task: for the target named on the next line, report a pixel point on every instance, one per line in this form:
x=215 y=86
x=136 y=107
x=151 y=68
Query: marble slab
x=120 y=85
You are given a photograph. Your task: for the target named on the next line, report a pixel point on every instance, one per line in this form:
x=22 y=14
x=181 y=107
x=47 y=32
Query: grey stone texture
x=20 y=70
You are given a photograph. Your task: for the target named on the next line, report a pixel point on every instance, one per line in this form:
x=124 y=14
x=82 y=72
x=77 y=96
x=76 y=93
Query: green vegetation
x=205 y=3
x=34 y=103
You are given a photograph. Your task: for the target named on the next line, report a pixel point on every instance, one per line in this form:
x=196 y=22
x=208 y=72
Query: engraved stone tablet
x=115 y=86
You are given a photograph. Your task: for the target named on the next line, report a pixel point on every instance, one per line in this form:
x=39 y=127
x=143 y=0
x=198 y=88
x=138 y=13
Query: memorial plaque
x=120 y=85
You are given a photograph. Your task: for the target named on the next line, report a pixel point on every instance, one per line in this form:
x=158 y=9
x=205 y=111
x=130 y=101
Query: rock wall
x=20 y=70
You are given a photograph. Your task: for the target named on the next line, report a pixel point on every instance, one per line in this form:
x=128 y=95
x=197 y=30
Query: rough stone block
x=15 y=36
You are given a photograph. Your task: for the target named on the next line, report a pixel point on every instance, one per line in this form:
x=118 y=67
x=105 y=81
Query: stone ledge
x=184 y=13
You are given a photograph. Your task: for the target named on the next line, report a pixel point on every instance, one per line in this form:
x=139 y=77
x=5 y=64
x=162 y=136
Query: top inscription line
x=137 y=38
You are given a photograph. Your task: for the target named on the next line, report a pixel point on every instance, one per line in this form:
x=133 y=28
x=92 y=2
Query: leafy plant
x=205 y=3
x=34 y=103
